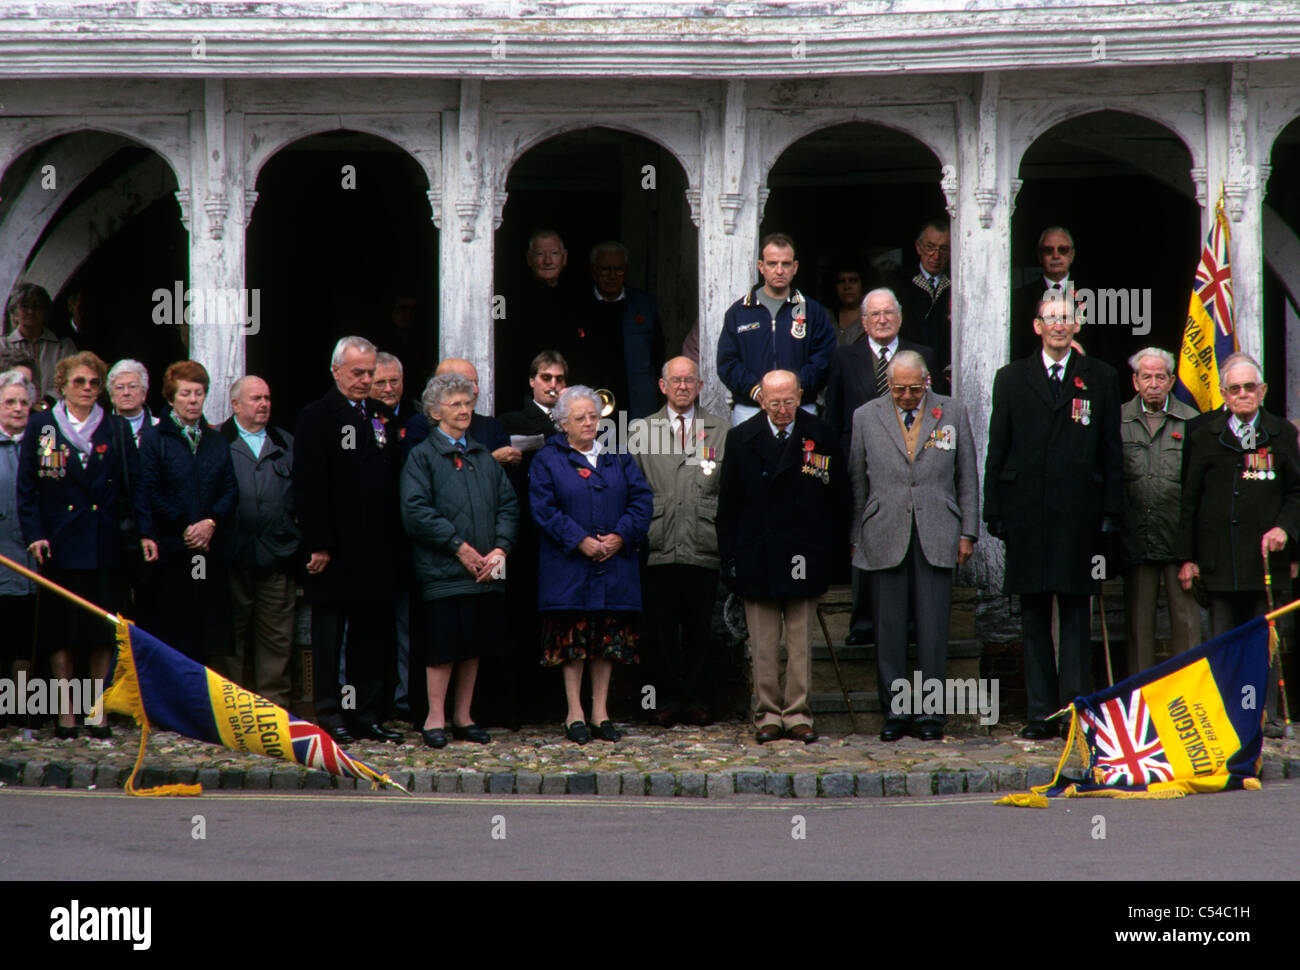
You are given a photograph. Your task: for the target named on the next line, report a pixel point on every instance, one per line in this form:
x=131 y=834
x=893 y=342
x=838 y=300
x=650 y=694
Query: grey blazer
x=940 y=488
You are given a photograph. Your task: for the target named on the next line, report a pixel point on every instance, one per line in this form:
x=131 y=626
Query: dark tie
x=908 y=418
x=1056 y=380
x=361 y=410
x=781 y=436
x=460 y=446
x=882 y=382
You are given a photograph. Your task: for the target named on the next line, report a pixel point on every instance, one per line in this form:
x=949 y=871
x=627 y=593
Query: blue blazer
x=569 y=501
x=76 y=509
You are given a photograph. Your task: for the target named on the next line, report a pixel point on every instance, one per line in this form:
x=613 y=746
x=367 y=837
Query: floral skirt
x=570 y=635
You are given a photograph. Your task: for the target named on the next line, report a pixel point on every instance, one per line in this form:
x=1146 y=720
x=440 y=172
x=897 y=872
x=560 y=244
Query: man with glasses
x=1056 y=254
x=389 y=389
x=1053 y=488
x=915 y=518
x=1241 y=500
x=26 y=316
x=858 y=376
x=615 y=341
x=683 y=465
x=782 y=503
x=539 y=310
x=926 y=294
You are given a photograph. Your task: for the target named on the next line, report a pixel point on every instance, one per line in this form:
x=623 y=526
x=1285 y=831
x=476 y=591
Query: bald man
x=782 y=507
x=483 y=428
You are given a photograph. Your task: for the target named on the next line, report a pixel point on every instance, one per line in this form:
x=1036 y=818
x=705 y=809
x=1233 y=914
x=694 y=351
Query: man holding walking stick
x=1241 y=503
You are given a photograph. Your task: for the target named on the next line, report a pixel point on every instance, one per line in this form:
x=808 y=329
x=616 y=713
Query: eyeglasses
x=87 y=382
x=781 y=405
x=550 y=378
x=1058 y=250
x=930 y=249
x=611 y=270
x=907 y=388
x=388 y=383
x=1056 y=320
x=1248 y=388
x=880 y=315
x=683 y=381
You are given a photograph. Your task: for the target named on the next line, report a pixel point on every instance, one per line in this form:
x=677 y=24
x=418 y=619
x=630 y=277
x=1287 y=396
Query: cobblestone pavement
x=689 y=761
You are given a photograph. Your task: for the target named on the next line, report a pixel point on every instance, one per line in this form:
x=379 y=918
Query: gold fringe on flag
x=123 y=697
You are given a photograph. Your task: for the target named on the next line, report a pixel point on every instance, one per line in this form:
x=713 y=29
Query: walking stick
x=1105 y=637
x=1281 y=678
x=853 y=718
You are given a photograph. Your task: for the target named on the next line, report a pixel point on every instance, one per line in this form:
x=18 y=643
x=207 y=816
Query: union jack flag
x=1128 y=748
x=1213 y=282
x=316 y=749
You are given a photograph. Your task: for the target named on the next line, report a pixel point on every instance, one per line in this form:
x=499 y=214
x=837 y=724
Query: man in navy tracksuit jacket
x=774 y=327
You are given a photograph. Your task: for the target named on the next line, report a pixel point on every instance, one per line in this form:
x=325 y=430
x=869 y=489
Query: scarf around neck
x=80 y=439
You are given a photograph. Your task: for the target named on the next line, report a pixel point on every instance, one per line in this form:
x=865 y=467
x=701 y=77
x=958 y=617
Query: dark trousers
x=1052 y=683
x=679 y=613
x=1231 y=610
x=912 y=580
x=370 y=644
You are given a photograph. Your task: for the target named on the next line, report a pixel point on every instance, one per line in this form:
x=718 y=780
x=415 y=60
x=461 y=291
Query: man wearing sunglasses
x=1056 y=254
x=1241 y=499
x=925 y=296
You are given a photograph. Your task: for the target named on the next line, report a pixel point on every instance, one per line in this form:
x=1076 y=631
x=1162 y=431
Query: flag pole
x=56 y=588
x=1283 y=610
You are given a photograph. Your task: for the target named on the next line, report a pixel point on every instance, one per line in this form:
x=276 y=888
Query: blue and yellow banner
x=162 y=688
x=1210 y=334
x=1191 y=724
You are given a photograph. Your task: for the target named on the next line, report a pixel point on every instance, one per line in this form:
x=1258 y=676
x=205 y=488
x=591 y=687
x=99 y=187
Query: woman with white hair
x=17 y=593
x=128 y=386
x=461 y=515
x=593 y=508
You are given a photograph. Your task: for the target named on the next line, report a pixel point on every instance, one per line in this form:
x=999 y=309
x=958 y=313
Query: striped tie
x=882 y=382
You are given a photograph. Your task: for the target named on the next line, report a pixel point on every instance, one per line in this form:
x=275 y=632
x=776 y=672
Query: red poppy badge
x=936 y=413
x=101 y=448
x=1176 y=435
x=584 y=472
x=1078 y=382
x=809 y=444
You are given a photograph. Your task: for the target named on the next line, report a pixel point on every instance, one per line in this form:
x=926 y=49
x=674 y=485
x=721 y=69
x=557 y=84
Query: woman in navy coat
x=189 y=483
x=71 y=495
x=593 y=508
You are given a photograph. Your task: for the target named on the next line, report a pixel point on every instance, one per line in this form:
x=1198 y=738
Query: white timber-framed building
x=214 y=91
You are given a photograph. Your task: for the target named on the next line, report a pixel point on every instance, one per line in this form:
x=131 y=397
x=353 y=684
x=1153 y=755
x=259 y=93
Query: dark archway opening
x=593 y=185
x=331 y=261
x=853 y=195
x=1281 y=304
x=127 y=207
x=1122 y=186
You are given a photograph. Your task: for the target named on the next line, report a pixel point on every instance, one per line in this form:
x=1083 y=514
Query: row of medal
x=1259 y=465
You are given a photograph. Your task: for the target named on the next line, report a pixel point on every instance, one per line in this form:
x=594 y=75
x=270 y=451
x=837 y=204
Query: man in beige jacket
x=681 y=458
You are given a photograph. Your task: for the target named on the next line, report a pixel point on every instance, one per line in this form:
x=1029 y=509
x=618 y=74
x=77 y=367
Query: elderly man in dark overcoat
x=1241 y=501
x=346 y=461
x=1053 y=487
x=781 y=504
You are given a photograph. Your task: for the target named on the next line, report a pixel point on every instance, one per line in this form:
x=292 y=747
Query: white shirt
x=892 y=347
x=1236 y=425
x=1064 y=362
x=544 y=408
x=592 y=454
x=1064 y=283
x=789 y=429
x=604 y=299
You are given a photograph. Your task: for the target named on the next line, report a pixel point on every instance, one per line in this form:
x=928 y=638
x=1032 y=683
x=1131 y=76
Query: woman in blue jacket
x=73 y=465
x=593 y=508
x=189 y=483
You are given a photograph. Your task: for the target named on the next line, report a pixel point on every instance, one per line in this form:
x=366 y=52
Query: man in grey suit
x=915 y=517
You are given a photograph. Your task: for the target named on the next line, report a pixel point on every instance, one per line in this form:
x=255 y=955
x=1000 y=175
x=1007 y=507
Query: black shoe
x=1038 y=731
x=470 y=732
x=927 y=730
x=857 y=638
x=434 y=737
x=101 y=731
x=65 y=733
x=767 y=733
x=340 y=734
x=665 y=718
x=895 y=728
x=377 y=732
x=577 y=731
x=605 y=730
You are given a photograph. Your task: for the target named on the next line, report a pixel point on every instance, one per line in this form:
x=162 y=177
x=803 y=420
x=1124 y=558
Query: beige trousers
x=1141 y=587
x=764 y=618
x=261 y=612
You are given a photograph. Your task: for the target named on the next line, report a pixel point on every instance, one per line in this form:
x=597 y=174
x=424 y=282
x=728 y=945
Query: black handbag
x=128 y=525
